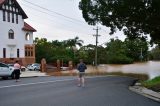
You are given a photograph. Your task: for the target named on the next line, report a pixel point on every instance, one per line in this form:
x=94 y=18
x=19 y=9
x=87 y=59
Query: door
x=4 y=70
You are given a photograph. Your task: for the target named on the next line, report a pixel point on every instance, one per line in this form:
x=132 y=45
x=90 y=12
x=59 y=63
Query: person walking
x=17 y=68
x=81 y=67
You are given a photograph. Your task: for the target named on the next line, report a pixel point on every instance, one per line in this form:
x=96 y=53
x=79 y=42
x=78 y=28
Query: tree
x=155 y=53
x=43 y=49
x=72 y=45
x=137 y=49
x=87 y=53
x=54 y=50
x=74 y=42
x=134 y=17
x=102 y=55
x=116 y=52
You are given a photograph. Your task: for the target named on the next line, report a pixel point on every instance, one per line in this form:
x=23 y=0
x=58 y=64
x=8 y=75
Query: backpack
x=81 y=67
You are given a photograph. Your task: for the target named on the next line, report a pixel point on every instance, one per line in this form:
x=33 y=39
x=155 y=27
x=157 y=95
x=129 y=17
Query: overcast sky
x=62 y=20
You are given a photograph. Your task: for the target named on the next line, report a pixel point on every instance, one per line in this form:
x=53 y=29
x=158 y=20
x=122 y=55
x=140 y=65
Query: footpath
x=28 y=74
x=145 y=92
x=136 y=88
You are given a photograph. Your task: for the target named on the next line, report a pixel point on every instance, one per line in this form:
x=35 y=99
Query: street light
x=141 y=55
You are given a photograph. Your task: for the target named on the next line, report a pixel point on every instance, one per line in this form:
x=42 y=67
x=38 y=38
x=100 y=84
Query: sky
x=62 y=20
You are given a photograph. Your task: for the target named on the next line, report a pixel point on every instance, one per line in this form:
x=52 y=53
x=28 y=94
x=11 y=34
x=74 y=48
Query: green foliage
x=134 y=17
x=137 y=47
x=153 y=84
x=155 y=53
x=54 y=50
x=87 y=53
x=120 y=59
x=102 y=55
x=116 y=51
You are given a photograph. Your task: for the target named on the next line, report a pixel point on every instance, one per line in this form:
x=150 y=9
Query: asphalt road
x=62 y=91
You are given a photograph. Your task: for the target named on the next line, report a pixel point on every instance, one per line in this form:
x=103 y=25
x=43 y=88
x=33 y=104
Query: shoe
x=17 y=80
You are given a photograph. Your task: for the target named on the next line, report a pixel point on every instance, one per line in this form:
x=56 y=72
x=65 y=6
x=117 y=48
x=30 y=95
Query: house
x=16 y=36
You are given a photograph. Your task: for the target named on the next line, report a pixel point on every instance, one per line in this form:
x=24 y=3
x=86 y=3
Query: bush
x=121 y=59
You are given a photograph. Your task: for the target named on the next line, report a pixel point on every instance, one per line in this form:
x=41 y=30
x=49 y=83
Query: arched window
x=27 y=36
x=11 y=34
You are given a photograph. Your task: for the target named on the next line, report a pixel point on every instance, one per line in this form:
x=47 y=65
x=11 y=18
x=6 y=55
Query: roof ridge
x=28 y=27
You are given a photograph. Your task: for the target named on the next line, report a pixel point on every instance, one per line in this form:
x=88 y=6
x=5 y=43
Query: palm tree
x=74 y=42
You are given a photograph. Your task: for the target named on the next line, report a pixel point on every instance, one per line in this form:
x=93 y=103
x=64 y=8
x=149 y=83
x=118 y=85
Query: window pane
x=27 y=36
x=4 y=52
x=16 y=18
x=4 y=16
x=17 y=52
x=11 y=34
x=12 y=17
x=8 y=16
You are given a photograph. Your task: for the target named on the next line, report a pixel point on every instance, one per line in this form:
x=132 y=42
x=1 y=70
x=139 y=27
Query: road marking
x=45 y=82
x=17 y=85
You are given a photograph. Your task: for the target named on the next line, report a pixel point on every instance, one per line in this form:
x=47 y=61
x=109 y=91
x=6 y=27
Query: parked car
x=64 y=68
x=6 y=71
x=23 y=68
x=34 y=66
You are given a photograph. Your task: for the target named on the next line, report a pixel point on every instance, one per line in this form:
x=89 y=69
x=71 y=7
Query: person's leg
x=16 y=75
x=79 y=79
x=83 y=80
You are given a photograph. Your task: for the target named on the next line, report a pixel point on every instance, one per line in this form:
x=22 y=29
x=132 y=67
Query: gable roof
x=27 y=27
x=24 y=16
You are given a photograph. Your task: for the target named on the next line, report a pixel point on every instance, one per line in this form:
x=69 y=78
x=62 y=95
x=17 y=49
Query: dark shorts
x=81 y=74
x=17 y=73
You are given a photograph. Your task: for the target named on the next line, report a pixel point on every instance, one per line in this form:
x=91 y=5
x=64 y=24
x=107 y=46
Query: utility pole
x=141 y=55
x=96 y=44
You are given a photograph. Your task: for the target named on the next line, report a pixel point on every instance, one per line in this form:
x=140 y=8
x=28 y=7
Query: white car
x=64 y=68
x=34 y=66
x=23 y=68
x=6 y=71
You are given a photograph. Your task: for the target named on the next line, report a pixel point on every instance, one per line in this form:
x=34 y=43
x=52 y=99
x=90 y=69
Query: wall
x=18 y=42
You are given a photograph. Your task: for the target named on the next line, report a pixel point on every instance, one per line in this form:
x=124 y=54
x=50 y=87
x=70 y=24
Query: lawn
x=153 y=84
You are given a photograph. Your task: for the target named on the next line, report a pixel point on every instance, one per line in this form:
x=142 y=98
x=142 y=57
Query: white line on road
x=45 y=82
x=34 y=83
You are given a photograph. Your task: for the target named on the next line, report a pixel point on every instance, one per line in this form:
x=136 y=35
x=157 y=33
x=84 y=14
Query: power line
x=29 y=7
x=73 y=19
x=52 y=11
x=56 y=13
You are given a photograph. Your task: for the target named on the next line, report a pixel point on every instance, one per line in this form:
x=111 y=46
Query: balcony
x=11 y=42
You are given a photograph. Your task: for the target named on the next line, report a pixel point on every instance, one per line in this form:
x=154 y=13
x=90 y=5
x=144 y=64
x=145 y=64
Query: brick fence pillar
x=58 y=65
x=43 y=65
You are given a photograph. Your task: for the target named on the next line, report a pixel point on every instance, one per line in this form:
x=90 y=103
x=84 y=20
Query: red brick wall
x=22 y=61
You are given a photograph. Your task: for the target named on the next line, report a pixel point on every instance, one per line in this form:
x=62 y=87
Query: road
x=62 y=91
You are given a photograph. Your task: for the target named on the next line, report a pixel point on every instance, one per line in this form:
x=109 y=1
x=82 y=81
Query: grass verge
x=153 y=84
